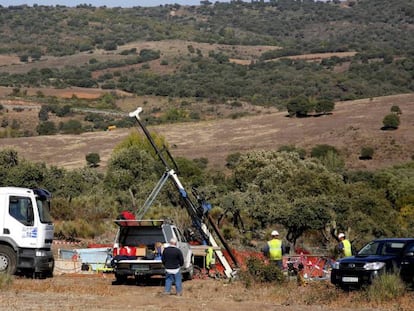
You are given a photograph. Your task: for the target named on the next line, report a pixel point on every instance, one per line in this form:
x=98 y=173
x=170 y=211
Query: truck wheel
x=8 y=260
x=119 y=279
x=189 y=275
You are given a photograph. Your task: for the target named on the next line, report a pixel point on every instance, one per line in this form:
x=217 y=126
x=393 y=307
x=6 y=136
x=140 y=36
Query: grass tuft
x=386 y=287
x=6 y=281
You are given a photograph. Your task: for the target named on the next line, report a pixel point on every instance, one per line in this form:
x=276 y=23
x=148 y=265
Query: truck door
x=183 y=246
x=21 y=223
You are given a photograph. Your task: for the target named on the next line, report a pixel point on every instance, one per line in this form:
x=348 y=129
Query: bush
x=46 y=128
x=391 y=121
x=290 y=148
x=93 y=159
x=321 y=151
x=396 y=109
x=366 y=153
x=259 y=271
x=385 y=288
x=71 y=127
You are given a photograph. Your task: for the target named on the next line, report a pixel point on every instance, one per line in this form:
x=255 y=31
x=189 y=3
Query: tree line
x=303 y=195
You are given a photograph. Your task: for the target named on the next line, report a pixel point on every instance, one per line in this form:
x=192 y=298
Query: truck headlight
x=335 y=265
x=374 y=265
x=40 y=253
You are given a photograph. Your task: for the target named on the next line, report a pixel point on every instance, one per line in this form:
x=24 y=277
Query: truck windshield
x=44 y=210
x=369 y=249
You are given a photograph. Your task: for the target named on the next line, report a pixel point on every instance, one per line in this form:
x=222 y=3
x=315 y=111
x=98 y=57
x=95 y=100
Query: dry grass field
x=96 y=292
x=351 y=126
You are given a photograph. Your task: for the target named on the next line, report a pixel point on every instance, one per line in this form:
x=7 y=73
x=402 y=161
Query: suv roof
x=393 y=240
x=142 y=223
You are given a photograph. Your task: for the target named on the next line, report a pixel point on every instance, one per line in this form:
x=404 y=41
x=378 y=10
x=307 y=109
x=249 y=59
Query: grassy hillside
x=223 y=49
x=352 y=126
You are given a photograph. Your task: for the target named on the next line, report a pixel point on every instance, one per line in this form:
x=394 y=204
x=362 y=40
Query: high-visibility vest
x=275 y=249
x=347 y=250
x=210 y=258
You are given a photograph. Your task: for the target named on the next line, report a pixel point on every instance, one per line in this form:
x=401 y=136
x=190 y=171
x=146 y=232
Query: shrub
x=71 y=127
x=229 y=232
x=290 y=148
x=6 y=280
x=396 y=109
x=391 y=121
x=93 y=159
x=366 y=153
x=46 y=128
x=259 y=271
x=385 y=288
x=321 y=151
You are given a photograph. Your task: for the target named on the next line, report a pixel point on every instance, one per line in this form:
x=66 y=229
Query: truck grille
x=352 y=265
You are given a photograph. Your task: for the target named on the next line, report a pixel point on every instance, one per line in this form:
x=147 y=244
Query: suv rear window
x=138 y=236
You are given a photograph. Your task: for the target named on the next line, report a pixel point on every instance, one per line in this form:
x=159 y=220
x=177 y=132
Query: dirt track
x=352 y=125
x=96 y=292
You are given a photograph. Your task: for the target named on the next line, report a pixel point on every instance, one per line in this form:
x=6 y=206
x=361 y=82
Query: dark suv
x=378 y=256
x=407 y=264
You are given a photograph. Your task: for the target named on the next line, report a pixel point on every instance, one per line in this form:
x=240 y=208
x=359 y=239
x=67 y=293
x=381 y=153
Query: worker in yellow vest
x=211 y=262
x=344 y=246
x=274 y=249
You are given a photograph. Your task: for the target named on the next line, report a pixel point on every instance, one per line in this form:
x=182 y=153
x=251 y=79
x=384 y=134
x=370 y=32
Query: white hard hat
x=341 y=235
x=274 y=233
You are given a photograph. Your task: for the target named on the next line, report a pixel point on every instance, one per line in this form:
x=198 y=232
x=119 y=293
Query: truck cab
x=26 y=232
x=137 y=247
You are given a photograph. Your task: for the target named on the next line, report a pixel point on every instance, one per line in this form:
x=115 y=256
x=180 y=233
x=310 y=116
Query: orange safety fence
x=314 y=266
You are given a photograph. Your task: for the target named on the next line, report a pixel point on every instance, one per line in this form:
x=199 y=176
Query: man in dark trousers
x=173 y=259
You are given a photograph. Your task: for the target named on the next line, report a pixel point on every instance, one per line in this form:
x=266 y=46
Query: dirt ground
x=351 y=126
x=96 y=292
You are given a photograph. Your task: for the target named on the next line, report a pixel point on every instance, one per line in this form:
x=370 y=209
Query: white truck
x=135 y=249
x=26 y=232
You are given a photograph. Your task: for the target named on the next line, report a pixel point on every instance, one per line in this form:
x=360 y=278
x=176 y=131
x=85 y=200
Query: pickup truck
x=387 y=255
x=135 y=251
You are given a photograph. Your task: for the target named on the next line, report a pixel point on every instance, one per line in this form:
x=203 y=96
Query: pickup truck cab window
x=21 y=209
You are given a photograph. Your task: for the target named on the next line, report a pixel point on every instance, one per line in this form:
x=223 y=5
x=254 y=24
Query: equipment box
x=141 y=252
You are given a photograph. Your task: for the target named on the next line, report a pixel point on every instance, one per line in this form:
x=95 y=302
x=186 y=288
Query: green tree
x=299 y=106
x=391 y=122
x=93 y=159
x=322 y=150
x=43 y=113
x=290 y=148
x=276 y=186
x=71 y=127
x=396 y=109
x=9 y=158
x=233 y=159
x=366 y=153
x=63 y=111
x=46 y=128
x=324 y=106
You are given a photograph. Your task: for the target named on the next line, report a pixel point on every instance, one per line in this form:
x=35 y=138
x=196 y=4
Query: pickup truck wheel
x=8 y=260
x=119 y=279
